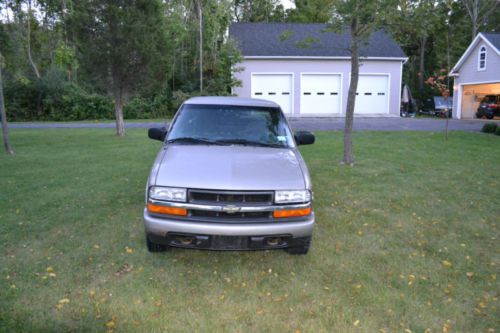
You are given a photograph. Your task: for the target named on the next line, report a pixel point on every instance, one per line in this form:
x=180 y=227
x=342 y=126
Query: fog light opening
x=274 y=241
x=185 y=240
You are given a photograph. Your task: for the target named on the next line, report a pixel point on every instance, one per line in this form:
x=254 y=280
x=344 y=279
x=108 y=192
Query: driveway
x=310 y=124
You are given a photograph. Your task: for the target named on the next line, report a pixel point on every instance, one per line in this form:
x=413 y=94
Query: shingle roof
x=493 y=38
x=307 y=40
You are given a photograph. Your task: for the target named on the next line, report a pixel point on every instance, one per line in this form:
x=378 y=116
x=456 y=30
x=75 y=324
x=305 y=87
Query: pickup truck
x=229 y=176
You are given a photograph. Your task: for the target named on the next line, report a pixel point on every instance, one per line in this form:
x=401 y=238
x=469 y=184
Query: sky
x=287 y=4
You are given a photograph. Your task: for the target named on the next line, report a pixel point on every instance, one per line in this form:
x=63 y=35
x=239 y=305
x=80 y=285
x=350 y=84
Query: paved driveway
x=310 y=124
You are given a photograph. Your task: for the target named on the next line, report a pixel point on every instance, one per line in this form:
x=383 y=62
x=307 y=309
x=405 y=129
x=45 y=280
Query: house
x=306 y=69
x=477 y=74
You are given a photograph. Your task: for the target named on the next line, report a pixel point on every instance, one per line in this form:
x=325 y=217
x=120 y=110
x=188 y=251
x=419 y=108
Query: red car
x=489 y=107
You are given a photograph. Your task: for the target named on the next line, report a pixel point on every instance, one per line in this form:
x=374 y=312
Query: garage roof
x=490 y=38
x=493 y=38
x=282 y=40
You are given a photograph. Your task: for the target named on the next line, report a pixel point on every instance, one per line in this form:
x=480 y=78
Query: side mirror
x=156 y=133
x=304 y=138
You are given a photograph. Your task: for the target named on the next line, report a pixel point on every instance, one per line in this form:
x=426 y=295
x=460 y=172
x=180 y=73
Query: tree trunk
x=3 y=117
x=120 y=126
x=351 y=97
x=421 y=67
x=32 y=63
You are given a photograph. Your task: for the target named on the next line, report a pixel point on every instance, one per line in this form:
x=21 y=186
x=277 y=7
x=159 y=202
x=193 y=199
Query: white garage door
x=373 y=94
x=320 y=93
x=274 y=87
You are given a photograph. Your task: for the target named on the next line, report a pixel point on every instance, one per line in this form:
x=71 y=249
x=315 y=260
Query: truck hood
x=233 y=167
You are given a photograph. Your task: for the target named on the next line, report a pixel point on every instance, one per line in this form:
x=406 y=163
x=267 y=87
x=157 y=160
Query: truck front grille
x=230 y=197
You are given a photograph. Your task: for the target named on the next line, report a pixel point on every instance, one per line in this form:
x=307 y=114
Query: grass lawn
x=406 y=241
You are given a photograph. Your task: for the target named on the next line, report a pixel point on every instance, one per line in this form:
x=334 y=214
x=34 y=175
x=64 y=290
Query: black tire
x=154 y=247
x=489 y=116
x=299 y=250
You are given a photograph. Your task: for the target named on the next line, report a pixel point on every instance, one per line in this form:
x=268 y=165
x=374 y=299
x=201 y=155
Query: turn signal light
x=292 y=212
x=158 y=209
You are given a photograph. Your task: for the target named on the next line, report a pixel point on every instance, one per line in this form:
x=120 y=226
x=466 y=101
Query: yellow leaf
x=52 y=274
x=446 y=327
x=128 y=249
x=469 y=274
x=482 y=305
x=50 y=269
x=64 y=301
x=110 y=324
x=356 y=323
x=446 y=263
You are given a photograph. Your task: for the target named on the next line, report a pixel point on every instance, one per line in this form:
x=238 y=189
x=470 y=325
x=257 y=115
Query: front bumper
x=228 y=236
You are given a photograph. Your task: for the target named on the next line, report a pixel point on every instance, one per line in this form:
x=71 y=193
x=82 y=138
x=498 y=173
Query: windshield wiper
x=249 y=143
x=193 y=140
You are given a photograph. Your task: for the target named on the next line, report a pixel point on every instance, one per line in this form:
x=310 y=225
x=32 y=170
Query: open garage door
x=320 y=93
x=372 y=96
x=274 y=87
x=472 y=95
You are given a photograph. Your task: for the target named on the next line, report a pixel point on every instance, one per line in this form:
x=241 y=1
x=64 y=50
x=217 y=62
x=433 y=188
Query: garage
x=274 y=87
x=320 y=93
x=372 y=96
x=473 y=94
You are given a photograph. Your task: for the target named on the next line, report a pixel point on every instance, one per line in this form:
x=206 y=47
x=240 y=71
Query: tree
x=120 y=43
x=440 y=81
x=362 y=17
x=311 y=11
x=479 y=11
x=3 y=116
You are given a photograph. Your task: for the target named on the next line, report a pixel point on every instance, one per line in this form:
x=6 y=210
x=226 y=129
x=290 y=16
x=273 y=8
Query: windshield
x=226 y=125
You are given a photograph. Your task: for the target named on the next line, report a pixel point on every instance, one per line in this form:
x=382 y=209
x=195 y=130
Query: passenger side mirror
x=156 y=133
x=304 y=138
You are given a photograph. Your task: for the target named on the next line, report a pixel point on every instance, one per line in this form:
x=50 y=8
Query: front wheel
x=300 y=250
x=155 y=247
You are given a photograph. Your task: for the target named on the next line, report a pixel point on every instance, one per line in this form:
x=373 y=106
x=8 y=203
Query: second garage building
x=305 y=68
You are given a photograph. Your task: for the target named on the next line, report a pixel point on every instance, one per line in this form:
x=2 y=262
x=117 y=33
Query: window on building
x=481 y=64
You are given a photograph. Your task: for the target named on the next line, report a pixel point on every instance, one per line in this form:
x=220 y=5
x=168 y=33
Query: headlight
x=167 y=193
x=292 y=196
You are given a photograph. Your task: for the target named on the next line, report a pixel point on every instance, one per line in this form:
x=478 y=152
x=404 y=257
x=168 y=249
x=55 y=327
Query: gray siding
x=298 y=66
x=468 y=73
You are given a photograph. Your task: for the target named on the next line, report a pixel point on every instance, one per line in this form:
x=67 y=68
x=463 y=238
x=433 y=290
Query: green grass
x=405 y=240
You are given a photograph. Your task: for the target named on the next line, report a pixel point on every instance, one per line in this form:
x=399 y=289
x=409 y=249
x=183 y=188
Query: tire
x=154 y=247
x=489 y=116
x=299 y=250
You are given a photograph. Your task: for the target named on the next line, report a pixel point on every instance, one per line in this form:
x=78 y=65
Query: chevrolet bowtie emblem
x=231 y=209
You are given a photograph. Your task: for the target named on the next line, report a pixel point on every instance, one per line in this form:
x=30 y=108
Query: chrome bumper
x=162 y=226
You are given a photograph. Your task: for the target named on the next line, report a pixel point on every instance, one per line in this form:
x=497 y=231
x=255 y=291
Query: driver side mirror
x=156 y=133
x=304 y=138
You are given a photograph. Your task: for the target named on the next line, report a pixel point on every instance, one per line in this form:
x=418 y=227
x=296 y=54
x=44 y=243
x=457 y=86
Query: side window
x=481 y=60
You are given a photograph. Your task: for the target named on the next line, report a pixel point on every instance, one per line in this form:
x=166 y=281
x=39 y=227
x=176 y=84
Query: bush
x=489 y=128
x=53 y=98
x=497 y=131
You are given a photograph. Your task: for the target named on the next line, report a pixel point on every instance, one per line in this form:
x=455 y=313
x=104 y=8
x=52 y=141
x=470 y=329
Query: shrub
x=497 y=131
x=489 y=128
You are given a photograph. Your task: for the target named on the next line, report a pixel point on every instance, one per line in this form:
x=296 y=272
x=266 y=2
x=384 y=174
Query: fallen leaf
x=64 y=301
x=446 y=263
x=129 y=249
x=125 y=268
x=356 y=323
x=469 y=274
x=50 y=269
